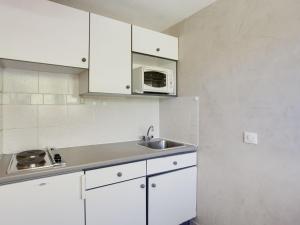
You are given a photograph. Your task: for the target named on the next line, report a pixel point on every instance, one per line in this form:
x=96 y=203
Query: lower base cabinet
x=117 y=204
x=117 y=195
x=47 y=201
x=172 y=197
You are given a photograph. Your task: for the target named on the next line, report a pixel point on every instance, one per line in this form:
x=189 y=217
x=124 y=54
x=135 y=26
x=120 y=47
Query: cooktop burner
x=31 y=155
x=34 y=159
x=25 y=164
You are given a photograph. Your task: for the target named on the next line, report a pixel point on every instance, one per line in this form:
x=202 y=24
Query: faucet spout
x=148 y=137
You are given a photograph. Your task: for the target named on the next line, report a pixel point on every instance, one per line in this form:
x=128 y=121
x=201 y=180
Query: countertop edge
x=16 y=178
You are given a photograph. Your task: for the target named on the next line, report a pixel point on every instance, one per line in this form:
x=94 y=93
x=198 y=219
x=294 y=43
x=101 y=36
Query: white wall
x=241 y=57
x=44 y=109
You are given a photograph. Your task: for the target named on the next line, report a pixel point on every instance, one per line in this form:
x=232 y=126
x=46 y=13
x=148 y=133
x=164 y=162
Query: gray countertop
x=90 y=157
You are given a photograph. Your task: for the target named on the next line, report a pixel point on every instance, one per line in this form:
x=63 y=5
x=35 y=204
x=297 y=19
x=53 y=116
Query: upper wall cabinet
x=44 y=32
x=154 y=43
x=110 y=57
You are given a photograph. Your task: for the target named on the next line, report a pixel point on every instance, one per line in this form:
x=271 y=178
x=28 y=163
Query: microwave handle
x=171 y=83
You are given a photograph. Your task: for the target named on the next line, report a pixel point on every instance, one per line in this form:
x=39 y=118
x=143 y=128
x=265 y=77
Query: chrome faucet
x=148 y=137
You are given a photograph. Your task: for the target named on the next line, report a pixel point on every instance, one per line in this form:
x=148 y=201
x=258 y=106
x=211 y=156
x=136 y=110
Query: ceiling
x=154 y=14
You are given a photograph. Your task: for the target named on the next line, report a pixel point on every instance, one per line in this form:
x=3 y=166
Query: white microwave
x=153 y=80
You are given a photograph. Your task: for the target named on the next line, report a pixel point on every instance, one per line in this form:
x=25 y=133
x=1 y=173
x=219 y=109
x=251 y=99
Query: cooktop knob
x=57 y=158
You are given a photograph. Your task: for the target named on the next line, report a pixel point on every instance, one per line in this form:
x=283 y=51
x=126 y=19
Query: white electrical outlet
x=250 y=138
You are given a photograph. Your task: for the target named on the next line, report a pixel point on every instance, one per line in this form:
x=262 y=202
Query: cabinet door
x=110 y=56
x=172 y=197
x=154 y=43
x=123 y=203
x=48 y=201
x=44 y=32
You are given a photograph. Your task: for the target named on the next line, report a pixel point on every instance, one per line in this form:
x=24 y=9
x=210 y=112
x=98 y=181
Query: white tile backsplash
x=44 y=109
x=19 y=116
x=72 y=99
x=37 y=99
x=16 y=99
x=81 y=115
x=20 y=81
x=52 y=115
x=54 y=137
x=73 y=85
x=54 y=99
x=54 y=83
x=16 y=140
x=68 y=136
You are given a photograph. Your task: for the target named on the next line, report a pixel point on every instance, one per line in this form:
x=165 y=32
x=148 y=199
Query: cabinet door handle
x=153 y=185
x=42 y=184
x=158 y=49
x=127 y=86
x=142 y=185
x=175 y=163
x=119 y=174
x=83 y=59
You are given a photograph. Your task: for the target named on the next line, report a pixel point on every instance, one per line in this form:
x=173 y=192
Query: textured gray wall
x=242 y=58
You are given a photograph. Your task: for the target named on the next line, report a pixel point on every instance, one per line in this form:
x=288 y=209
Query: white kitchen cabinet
x=47 y=201
x=114 y=174
x=110 y=57
x=122 y=203
x=169 y=163
x=154 y=43
x=172 y=197
x=41 y=31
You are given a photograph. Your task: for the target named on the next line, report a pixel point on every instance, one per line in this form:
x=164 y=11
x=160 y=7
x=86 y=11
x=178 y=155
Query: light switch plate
x=250 y=138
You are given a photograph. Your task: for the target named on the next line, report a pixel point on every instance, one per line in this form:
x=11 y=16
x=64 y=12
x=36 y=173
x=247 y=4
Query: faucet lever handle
x=143 y=138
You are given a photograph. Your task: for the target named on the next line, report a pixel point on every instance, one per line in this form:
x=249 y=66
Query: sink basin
x=160 y=144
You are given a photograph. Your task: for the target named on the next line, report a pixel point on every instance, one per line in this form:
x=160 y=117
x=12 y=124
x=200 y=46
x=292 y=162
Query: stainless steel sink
x=160 y=144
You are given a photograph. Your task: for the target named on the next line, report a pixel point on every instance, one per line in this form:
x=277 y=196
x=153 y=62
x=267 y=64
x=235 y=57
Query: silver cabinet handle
x=127 y=86
x=153 y=185
x=158 y=49
x=142 y=185
x=42 y=184
x=119 y=174
x=175 y=163
x=83 y=59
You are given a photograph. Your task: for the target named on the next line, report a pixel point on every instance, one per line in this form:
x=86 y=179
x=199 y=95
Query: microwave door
x=155 y=81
